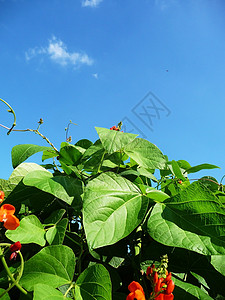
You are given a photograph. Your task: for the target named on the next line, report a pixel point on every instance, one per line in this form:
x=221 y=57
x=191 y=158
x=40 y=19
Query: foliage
x=99 y=214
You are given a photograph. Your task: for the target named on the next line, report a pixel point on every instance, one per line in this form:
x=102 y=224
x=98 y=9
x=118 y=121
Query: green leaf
x=113 y=207
x=53 y=264
x=69 y=155
x=201 y=167
x=201 y=280
x=210 y=182
x=18 y=193
x=22 y=170
x=6 y=296
x=21 y=152
x=176 y=170
x=30 y=231
x=218 y=262
x=93 y=156
x=50 y=153
x=66 y=188
x=193 y=219
x=55 y=217
x=146 y=154
x=46 y=292
x=17 y=176
x=84 y=143
x=147 y=173
x=183 y=164
x=55 y=235
x=187 y=291
x=113 y=140
x=156 y=195
x=94 y=284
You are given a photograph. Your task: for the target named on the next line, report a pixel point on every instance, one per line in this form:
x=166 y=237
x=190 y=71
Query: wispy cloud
x=92 y=3
x=58 y=53
x=95 y=75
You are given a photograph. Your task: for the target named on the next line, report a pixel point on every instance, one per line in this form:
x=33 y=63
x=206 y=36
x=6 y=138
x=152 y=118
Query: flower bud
x=170 y=287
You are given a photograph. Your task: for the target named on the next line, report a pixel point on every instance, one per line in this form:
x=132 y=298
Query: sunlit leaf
x=113 y=207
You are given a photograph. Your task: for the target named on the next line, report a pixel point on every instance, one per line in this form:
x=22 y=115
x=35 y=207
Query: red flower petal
x=11 y=222
x=170 y=287
x=168 y=297
x=15 y=247
x=7 y=209
x=138 y=295
x=133 y=286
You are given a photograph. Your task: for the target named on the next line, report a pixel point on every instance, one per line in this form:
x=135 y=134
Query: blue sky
x=159 y=65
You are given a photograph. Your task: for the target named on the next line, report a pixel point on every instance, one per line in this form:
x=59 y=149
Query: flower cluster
x=161 y=282
x=163 y=285
x=115 y=128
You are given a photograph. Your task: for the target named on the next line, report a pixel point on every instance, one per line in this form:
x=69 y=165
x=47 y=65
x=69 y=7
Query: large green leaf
x=94 y=284
x=22 y=170
x=55 y=235
x=55 y=217
x=46 y=292
x=218 y=262
x=146 y=154
x=93 y=156
x=113 y=207
x=17 y=193
x=113 y=140
x=193 y=219
x=30 y=231
x=53 y=265
x=66 y=188
x=201 y=167
x=69 y=155
x=21 y=152
x=187 y=291
x=84 y=143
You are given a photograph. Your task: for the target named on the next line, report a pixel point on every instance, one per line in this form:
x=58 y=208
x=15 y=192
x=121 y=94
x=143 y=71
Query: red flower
x=7 y=211
x=162 y=287
x=15 y=248
x=114 y=128
x=136 y=290
x=2 y=196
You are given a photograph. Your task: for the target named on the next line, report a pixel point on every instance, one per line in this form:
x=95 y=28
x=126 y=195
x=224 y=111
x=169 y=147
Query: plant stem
x=70 y=287
x=101 y=162
x=14 y=282
x=31 y=130
x=11 y=111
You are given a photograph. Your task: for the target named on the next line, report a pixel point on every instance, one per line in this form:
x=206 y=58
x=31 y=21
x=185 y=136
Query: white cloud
x=95 y=75
x=92 y=3
x=57 y=52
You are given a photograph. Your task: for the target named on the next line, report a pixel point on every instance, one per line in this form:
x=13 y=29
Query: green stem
x=15 y=282
x=11 y=111
x=31 y=130
x=70 y=287
x=101 y=162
